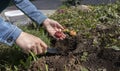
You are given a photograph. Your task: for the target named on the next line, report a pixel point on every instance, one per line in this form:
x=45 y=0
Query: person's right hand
x=32 y=43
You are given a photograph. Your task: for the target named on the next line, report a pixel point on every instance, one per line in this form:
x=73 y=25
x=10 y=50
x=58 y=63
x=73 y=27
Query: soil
x=78 y=54
x=83 y=52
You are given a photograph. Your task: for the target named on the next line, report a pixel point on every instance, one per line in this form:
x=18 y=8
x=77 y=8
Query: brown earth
x=79 y=54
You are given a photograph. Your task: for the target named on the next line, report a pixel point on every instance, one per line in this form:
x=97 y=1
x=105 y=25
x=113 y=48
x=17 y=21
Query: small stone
x=104 y=70
x=84 y=8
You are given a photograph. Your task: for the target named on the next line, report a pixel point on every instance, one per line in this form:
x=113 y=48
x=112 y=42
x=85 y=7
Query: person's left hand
x=52 y=27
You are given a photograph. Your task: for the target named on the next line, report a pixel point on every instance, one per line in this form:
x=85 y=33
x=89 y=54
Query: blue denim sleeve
x=30 y=10
x=8 y=32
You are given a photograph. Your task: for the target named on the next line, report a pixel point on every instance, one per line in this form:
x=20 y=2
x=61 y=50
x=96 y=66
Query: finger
x=60 y=26
x=56 y=29
x=34 y=50
x=39 y=49
x=63 y=36
x=43 y=49
x=27 y=49
x=60 y=30
x=42 y=44
x=56 y=24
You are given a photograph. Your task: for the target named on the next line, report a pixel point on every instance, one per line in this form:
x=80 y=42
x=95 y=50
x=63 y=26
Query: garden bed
x=79 y=56
x=95 y=46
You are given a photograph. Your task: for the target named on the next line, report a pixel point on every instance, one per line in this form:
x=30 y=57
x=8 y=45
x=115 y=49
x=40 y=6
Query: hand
x=52 y=27
x=29 y=43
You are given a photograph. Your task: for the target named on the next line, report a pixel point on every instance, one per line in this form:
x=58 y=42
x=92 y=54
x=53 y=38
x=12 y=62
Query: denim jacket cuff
x=41 y=19
x=10 y=40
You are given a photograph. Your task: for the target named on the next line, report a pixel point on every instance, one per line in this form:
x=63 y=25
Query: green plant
x=46 y=66
x=83 y=68
x=84 y=56
x=27 y=63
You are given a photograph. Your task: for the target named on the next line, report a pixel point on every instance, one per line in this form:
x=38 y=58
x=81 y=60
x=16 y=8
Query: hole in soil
x=100 y=54
x=78 y=3
x=117 y=64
